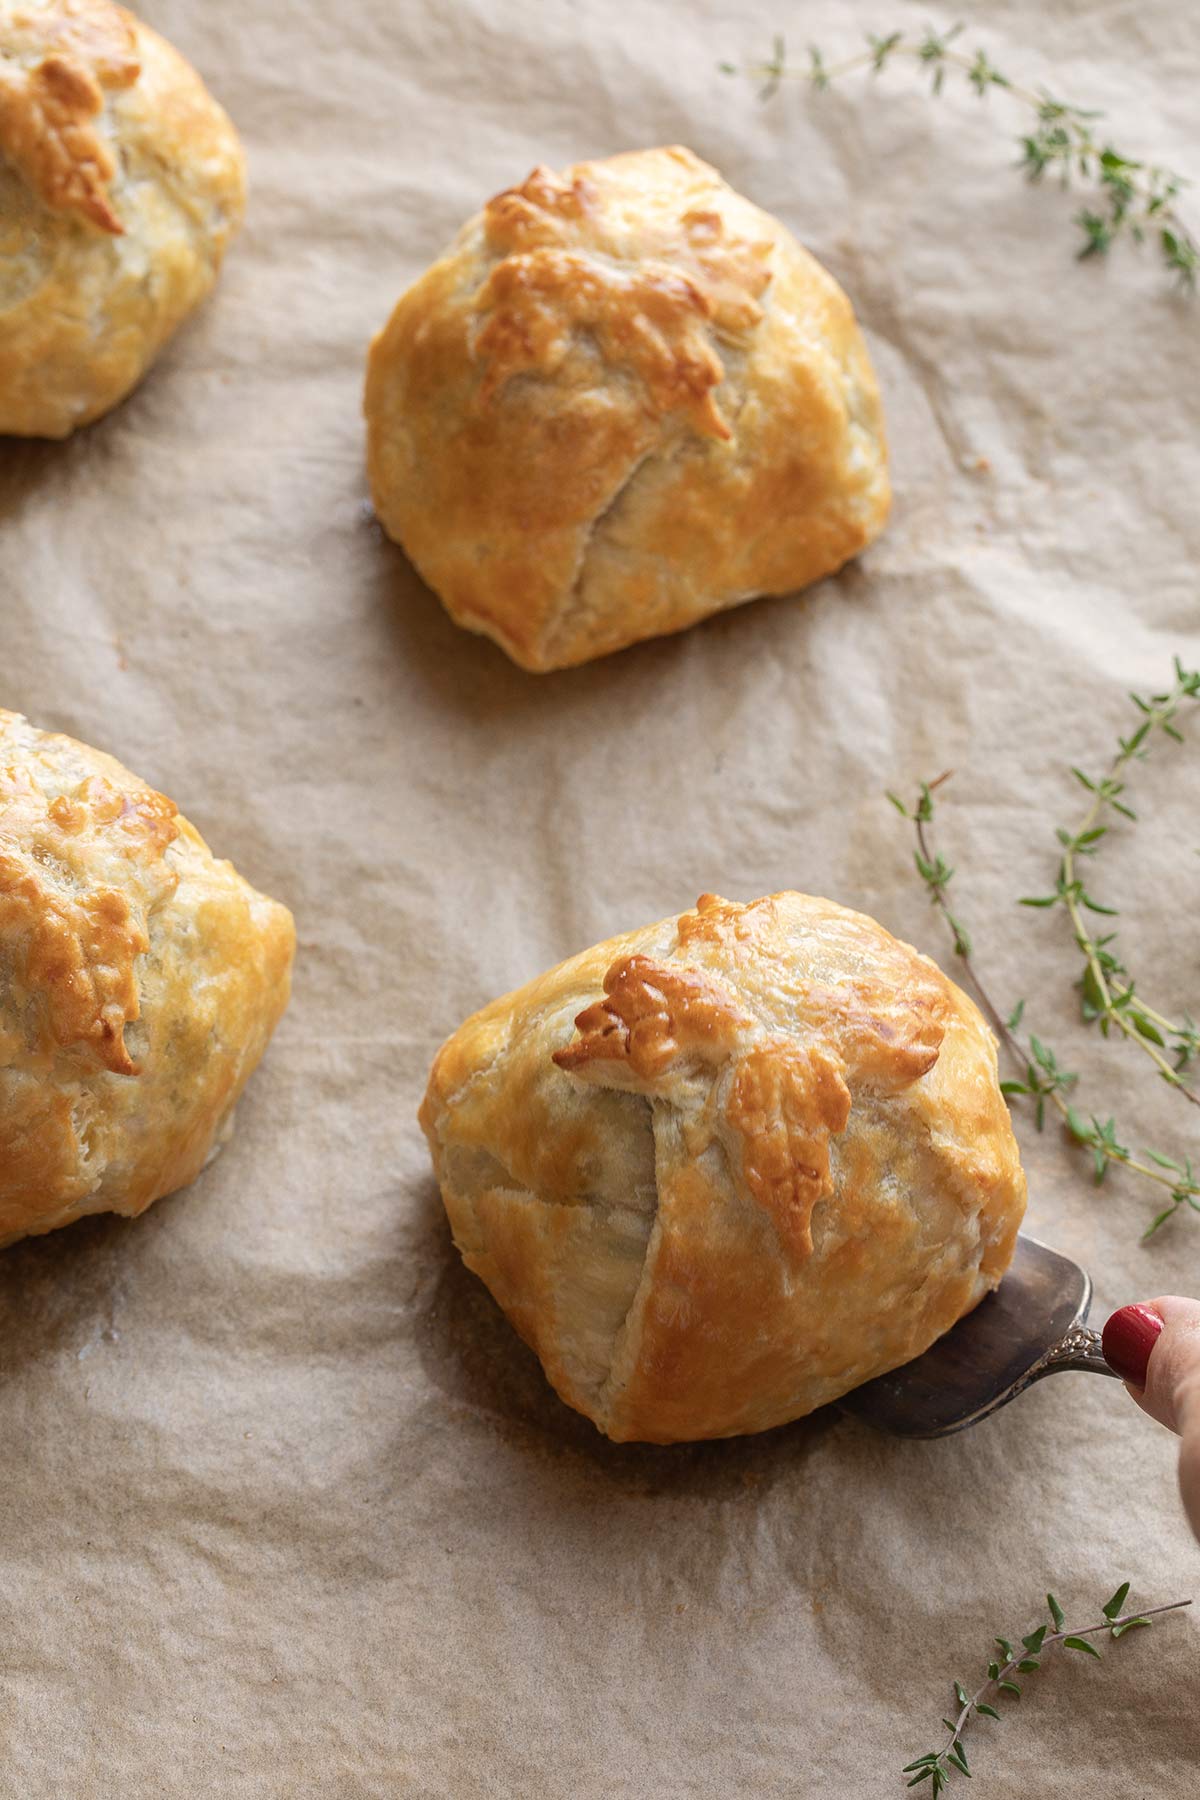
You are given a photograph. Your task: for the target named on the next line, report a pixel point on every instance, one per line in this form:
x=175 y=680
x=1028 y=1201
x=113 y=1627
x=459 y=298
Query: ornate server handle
x=1079 y=1349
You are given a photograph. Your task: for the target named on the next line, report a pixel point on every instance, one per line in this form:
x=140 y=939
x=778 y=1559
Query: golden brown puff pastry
x=140 y=980
x=121 y=182
x=623 y=399
x=721 y=1170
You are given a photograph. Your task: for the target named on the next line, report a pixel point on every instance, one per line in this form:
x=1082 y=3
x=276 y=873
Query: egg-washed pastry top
x=121 y=182
x=721 y=1170
x=623 y=399
x=140 y=980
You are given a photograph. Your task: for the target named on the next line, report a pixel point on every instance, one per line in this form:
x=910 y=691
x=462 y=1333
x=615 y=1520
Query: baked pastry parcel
x=121 y=182
x=140 y=980
x=623 y=399
x=719 y=1171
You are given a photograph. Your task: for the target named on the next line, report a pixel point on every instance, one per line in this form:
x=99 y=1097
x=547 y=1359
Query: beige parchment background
x=285 y=1508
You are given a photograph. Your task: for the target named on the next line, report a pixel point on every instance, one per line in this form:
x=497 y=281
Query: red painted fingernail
x=1128 y=1339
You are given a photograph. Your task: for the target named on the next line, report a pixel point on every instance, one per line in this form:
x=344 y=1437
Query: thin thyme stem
x=1012 y=1667
x=1128 y=196
x=1043 y=1077
x=998 y=1022
x=1120 y=1019
x=1157 y=1017
x=1121 y=1009
x=937 y=1766
x=1021 y=1054
x=867 y=59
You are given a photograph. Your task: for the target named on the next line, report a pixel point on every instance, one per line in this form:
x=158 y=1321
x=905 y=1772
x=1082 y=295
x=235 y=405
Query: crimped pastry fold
x=140 y=981
x=721 y=1170
x=121 y=183
x=624 y=398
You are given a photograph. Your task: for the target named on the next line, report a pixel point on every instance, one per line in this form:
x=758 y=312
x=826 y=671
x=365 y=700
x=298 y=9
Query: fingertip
x=1128 y=1339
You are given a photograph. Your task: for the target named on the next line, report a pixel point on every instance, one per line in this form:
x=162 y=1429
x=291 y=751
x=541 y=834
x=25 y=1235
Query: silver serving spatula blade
x=1033 y=1325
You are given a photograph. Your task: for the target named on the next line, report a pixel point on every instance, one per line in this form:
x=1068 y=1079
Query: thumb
x=1167 y=1385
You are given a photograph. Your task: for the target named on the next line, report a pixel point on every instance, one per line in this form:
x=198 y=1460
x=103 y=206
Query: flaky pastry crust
x=140 y=981
x=623 y=399
x=121 y=182
x=721 y=1170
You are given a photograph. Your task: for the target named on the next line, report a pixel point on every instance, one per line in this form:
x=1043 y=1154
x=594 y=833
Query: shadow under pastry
x=473 y=1357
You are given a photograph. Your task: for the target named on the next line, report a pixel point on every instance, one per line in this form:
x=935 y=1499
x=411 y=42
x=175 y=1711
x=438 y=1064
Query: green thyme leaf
x=1112 y=1607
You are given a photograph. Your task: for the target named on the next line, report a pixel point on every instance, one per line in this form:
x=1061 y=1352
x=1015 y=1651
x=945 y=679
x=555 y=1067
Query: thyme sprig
x=1043 y=1078
x=1109 y=992
x=935 y=1765
x=1123 y=196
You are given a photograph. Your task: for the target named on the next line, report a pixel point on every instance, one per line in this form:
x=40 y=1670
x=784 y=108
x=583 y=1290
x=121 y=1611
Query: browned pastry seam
x=646 y=315
x=48 y=109
x=651 y=320
x=784 y=1103
x=655 y=1014
x=82 y=946
x=140 y=980
x=784 y=1100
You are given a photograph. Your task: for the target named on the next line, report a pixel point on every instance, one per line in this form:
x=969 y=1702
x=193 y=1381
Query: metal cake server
x=1033 y=1325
